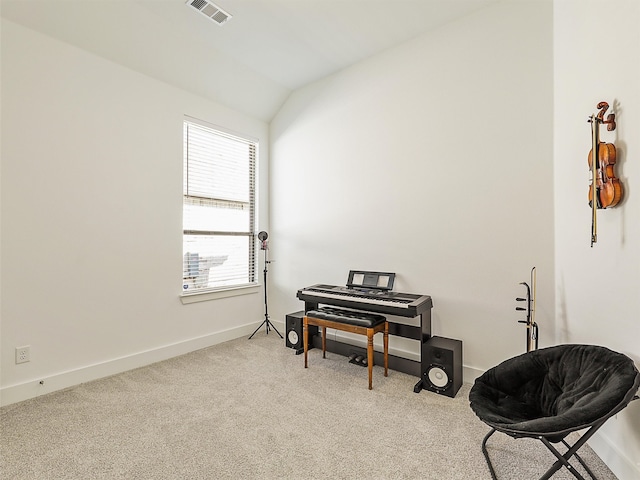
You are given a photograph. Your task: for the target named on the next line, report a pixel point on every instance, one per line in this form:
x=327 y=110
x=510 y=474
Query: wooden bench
x=348 y=321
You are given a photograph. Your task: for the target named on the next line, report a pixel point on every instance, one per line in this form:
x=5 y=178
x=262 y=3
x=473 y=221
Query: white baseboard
x=34 y=388
x=622 y=466
x=469 y=374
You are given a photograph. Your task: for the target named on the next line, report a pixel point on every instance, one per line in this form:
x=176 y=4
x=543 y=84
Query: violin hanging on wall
x=605 y=190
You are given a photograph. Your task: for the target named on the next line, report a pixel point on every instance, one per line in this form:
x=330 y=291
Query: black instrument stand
x=266 y=322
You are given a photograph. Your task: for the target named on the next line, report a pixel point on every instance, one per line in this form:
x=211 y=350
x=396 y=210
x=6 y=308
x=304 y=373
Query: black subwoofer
x=442 y=365
x=293 y=328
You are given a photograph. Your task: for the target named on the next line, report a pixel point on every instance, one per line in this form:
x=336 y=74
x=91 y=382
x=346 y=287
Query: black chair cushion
x=555 y=390
x=361 y=319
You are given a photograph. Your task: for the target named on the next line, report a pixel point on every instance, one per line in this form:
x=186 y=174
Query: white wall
x=597 y=288
x=432 y=160
x=92 y=218
x=459 y=161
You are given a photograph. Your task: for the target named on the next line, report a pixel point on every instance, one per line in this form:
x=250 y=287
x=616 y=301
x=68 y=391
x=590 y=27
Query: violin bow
x=594 y=172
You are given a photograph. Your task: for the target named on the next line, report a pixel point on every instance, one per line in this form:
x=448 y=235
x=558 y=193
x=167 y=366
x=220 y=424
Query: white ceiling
x=253 y=61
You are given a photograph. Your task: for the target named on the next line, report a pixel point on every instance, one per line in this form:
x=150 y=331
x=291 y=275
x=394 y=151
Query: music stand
x=262 y=236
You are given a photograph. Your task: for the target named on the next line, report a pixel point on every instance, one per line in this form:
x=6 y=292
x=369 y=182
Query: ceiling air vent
x=210 y=10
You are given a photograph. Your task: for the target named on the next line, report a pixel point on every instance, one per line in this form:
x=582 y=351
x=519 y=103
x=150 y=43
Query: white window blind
x=218 y=209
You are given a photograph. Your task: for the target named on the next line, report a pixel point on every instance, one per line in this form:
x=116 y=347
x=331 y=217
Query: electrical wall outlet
x=23 y=354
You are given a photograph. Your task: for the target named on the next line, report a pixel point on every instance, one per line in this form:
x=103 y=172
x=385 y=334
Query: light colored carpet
x=247 y=409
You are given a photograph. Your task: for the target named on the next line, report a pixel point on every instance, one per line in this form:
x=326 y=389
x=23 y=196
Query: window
x=218 y=209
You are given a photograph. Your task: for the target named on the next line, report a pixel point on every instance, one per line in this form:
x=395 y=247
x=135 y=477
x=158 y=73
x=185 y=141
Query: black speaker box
x=293 y=327
x=442 y=365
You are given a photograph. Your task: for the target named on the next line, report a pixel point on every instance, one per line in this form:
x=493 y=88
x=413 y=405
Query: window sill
x=195 y=297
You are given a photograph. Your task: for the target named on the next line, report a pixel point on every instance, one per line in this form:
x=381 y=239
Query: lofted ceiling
x=253 y=61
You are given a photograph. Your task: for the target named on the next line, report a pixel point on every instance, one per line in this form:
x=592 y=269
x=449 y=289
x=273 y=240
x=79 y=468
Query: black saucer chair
x=548 y=393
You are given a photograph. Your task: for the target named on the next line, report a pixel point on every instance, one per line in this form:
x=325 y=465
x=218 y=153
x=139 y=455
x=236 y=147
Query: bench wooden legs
x=369 y=332
x=324 y=342
x=305 y=339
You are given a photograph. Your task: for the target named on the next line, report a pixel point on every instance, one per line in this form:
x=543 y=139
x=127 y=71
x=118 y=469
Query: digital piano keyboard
x=372 y=300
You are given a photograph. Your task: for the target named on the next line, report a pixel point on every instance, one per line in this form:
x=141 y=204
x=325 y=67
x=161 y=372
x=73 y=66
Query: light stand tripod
x=262 y=236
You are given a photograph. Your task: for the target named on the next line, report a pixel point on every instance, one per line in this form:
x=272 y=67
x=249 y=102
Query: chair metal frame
x=562 y=459
x=548 y=438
